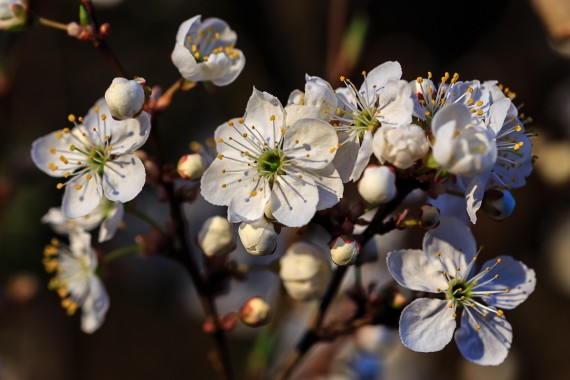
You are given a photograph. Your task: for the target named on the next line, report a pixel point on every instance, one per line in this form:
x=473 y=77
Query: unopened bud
x=428 y=216
x=73 y=29
x=344 y=250
x=125 y=98
x=259 y=238
x=498 y=203
x=217 y=237
x=255 y=312
x=191 y=166
x=305 y=271
x=377 y=185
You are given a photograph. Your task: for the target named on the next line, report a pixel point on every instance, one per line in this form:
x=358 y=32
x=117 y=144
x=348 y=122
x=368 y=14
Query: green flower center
x=270 y=163
x=459 y=290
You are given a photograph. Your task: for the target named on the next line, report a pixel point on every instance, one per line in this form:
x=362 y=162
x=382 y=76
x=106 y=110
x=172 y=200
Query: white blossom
x=107 y=216
x=13 y=14
x=205 y=51
x=377 y=185
x=258 y=238
x=262 y=161
x=191 y=166
x=96 y=158
x=305 y=271
x=125 y=98
x=255 y=312
x=75 y=280
x=344 y=251
x=445 y=266
x=217 y=237
x=401 y=146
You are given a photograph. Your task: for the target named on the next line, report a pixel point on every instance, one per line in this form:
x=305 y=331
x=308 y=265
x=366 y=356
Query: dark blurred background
x=153 y=328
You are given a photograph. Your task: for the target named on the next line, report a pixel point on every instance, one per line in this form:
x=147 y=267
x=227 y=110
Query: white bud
x=255 y=312
x=401 y=146
x=377 y=185
x=217 y=237
x=191 y=166
x=305 y=271
x=125 y=98
x=344 y=250
x=259 y=238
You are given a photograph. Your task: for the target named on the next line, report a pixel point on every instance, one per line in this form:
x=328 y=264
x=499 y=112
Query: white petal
x=377 y=77
x=444 y=146
x=513 y=275
x=412 y=269
x=427 y=325
x=186 y=26
x=43 y=158
x=448 y=239
x=95 y=306
x=130 y=134
x=312 y=137
x=259 y=111
x=294 y=201
x=184 y=61
x=330 y=187
x=487 y=346
x=363 y=157
x=223 y=172
x=498 y=113
x=111 y=223
x=396 y=104
x=457 y=113
x=346 y=155
x=474 y=196
x=80 y=244
x=123 y=178
x=249 y=200
x=59 y=223
x=233 y=140
x=214 y=25
x=232 y=71
x=77 y=203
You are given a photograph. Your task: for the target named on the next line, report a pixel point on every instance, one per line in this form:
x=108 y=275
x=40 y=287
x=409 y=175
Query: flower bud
x=377 y=185
x=498 y=203
x=255 y=312
x=305 y=271
x=401 y=146
x=217 y=237
x=125 y=98
x=344 y=250
x=259 y=238
x=191 y=166
x=428 y=216
x=13 y=14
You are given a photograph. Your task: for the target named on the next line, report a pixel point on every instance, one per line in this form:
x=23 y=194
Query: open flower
x=96 y=158
x=261 y=161
x=108 y=215
x=382 y=100
x=75 y=280
x=204 y=51
x=445 y=267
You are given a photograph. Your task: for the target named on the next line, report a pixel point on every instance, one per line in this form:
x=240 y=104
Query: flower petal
x=456 y=113
x=231 y=71
x=346 y=155
x=311 y=143
x=249 y=200
x=412 y=269
x=498 y=113
x=260 y=109
x=293 y=200
x=95 y=306
x=329 y=185
x=377 y=77
x=184 y=61
x=220 y=180
x=427 y=325
x=488 y=345
x=123 y=178
x=46 y=152
x=186 y=27
x=474 y=196
x=514 y=276
x=363 y=157
x=395 y=104
x=81 y=195
x=111 y=223
x=130 y=134
x=456 y=244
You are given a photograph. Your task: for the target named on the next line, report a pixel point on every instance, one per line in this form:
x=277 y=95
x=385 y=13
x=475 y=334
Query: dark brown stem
x=312 y=334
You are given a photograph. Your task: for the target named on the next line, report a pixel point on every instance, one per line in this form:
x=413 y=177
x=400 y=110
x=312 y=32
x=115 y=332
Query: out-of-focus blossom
x=217 y=237
x=75 y=280
x=191 y=166
x=305 y=271
x=255 y=312
x=125 y=98
x=13 y=14
x=344 y=250
x=205 y=51
x=96 y=157
x=258 y=238
x=261 y=161
x=445 y=266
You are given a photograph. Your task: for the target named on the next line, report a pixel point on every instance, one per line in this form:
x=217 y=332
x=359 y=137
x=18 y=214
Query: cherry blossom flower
x=445 y=267
x=96 y=158
x=107 y=216
x=262 y=161
x=205 y=51
x=401 y=146
x=75 y=280
x=382 y=100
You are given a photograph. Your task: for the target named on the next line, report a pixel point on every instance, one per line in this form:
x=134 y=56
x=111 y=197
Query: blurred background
x=153 y=328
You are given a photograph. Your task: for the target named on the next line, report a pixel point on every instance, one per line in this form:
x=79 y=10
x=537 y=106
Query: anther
x=71 y=118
